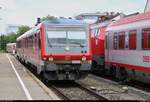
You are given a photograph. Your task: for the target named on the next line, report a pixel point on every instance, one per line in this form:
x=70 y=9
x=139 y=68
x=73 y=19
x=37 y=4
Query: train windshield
x=57 y=37
x=66 y=37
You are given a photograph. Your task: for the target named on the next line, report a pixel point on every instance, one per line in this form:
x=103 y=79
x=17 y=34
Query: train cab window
x=95 y=32
x=39 y=40
x=146 y=39
x=132 y=40
x=115 y=41
x=121 y=40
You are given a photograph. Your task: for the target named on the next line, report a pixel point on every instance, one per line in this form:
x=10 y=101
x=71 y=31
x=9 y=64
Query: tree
x=48 y=17
x=3 y=42
x=22 y=30
x=11 y=37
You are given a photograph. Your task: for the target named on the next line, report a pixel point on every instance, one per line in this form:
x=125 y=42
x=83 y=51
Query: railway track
x=68 y=90
x=115 y=90
x=74 y=91
x=82 y=91
x=136 y=84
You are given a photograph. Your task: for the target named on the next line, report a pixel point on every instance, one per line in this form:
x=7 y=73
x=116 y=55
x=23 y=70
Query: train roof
x=132 y=19
x=55 y=22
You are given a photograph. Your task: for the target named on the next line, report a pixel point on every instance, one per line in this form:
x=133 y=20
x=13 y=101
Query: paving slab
x=11 y=87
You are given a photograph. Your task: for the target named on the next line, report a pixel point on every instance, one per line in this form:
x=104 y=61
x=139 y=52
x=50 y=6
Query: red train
x=11 y=48
x=60 y=49
x=97 y=32
x=126 y=53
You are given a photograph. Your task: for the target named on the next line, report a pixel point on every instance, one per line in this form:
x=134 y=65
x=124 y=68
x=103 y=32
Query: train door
x=38 y=45
x=107 y=46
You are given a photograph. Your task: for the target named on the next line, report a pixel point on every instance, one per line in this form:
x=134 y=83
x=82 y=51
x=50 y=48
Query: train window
x=132 y=39
x=146 y=39
x=35 y=40
x=106 y=42
x=121 y=40
x=115 y=41
x=30 y=42
x=95 y=32
x=18 y=44
x=26 y=43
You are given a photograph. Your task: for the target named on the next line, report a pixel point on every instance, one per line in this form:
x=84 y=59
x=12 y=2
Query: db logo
x=146 y=59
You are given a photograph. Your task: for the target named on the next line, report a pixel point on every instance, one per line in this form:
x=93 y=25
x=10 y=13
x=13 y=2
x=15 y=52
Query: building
x=98 y=17
x=10 y=28
x=147 y=7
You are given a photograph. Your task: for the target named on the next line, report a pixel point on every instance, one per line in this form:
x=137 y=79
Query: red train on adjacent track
x=127 y=48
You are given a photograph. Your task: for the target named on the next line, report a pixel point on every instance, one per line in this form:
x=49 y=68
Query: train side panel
x=127 y=49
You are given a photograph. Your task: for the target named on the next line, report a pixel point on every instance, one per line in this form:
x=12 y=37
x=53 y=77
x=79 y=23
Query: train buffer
x=17 y=84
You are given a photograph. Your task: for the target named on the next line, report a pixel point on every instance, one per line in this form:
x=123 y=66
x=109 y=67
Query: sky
x=25 y=12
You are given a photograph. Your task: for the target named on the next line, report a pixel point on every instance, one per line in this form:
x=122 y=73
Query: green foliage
x=48 y=17
x=11 y=37
x=22 y=30
x=3 y=42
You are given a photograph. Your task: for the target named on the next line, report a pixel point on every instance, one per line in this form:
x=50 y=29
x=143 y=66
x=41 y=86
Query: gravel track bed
x=75 y=93
x=108 y=90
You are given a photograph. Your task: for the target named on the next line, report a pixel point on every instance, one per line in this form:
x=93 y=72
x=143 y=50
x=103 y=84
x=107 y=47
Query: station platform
x=17 y=84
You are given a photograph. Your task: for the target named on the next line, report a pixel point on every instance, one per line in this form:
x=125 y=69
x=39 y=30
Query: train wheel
x=94 y=66
x=121 y=74
x=113 y=71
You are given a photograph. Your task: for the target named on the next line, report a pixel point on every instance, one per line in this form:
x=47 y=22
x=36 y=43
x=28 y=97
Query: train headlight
x=67 y=48
x=50 y=59
x=84 y=58
x=44 y=58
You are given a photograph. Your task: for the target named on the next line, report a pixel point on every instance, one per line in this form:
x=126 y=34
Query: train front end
x=66 y=48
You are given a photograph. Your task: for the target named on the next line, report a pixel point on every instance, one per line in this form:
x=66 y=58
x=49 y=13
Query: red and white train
x=127 y=48
x=11 y=48
x=60 y=49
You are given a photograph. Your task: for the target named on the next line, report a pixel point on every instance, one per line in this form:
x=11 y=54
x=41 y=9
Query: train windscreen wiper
x=81 y=45
x=50 y=45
